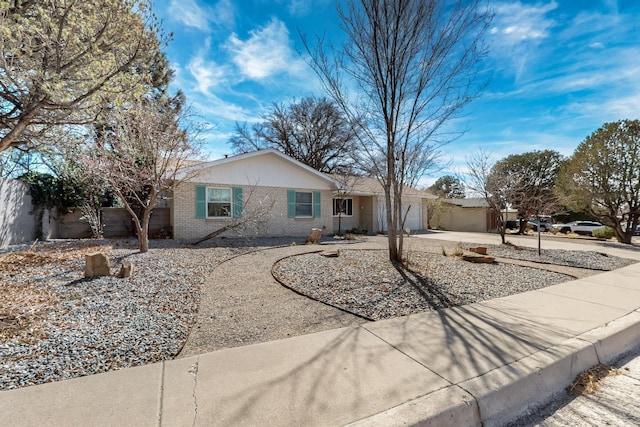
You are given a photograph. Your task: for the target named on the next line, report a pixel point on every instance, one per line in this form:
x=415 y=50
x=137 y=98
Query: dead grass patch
x=22 y=308
x=23 y=305
x=12 y=263
x=588 y=381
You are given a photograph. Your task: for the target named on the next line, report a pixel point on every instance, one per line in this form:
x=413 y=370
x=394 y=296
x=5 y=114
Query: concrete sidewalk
x=485 y=362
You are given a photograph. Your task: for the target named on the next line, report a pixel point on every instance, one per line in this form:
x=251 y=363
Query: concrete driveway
x=548 y=241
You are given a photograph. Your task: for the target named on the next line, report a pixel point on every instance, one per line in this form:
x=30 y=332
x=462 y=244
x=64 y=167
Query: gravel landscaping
x=367 y=284
x=54 y=324
x=581 y=259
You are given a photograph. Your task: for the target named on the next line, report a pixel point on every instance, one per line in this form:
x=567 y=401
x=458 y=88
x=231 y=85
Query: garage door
x=414 y=218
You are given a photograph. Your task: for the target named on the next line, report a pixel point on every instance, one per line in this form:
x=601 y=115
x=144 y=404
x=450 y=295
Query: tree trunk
x=143 y=232
x=391 y=228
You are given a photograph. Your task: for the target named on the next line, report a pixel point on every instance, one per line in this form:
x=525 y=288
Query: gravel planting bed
x=55 y=325
x=366 y=283
x=581 y=259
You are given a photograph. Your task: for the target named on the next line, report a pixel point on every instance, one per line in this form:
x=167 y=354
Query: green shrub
x=361 y=229
x=604 y=233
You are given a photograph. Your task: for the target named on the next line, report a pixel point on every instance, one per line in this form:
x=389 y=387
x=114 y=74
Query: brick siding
x=186 y=226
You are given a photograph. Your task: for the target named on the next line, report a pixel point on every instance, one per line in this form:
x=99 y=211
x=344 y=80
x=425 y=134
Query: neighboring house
x=363 y=205
x=469 y=214
x=214 y=193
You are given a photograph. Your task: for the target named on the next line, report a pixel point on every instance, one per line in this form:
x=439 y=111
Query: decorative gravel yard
x=54 y=324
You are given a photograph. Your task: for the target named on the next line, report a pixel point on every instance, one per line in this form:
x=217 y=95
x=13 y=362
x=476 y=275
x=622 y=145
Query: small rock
x=331 y=254
x=479 y=250
x=97 y=264
x=314 y=237
x=126 y=270
x=479 y=259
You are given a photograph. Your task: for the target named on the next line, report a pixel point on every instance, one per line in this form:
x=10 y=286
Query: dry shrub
x=12 y=263
x=21 y=309
x=24 y=304
x=589 y=381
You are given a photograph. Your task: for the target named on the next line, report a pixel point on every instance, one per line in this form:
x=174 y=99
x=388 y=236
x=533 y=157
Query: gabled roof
x=471 y=202
x=365 y=186
x=244 y=156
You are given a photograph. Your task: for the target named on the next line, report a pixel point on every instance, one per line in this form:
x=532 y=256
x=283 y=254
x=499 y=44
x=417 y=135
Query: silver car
x=578 y=227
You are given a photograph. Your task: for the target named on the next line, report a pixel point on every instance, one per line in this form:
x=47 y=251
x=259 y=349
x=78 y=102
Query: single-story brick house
x=213 y=193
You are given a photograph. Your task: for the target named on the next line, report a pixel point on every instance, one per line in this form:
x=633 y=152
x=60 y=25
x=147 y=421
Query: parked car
x=512 y=224
x=544 y=226
x=636 y=232
x=578 y=227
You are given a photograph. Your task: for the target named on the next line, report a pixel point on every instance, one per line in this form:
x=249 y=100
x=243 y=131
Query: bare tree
x=543 y=206
x=141 y=154
x=496 y=190
x=254 y=218
x=414 y=64
x=312 y=131
x=62 y=61
x=346 y=184
x=538 y=170
x=436 y=209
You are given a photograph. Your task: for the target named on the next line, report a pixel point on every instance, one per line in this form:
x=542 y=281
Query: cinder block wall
x=186 y=226
x=17 y=225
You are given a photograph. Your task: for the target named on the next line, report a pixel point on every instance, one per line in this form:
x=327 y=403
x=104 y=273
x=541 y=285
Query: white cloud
x=223 y=13
x=265 y=53
x=607 y=110
x=304 y=7
x=206 y=73
x=189 y=13
x=516 y=22
x=517 y=33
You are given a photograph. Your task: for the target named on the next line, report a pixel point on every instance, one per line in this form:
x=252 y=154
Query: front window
x=304 y=204
x=343 y=207
x=218 y=202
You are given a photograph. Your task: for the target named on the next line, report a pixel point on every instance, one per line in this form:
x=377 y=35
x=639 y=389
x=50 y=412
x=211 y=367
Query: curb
x=505 y=393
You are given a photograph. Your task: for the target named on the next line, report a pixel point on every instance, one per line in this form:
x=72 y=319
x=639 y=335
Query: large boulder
x=97 y=264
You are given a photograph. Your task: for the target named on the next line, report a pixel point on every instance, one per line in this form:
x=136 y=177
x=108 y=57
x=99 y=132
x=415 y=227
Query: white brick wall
x=186 y=226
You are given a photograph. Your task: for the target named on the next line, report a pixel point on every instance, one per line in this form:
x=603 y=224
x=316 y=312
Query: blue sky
x=560 y=69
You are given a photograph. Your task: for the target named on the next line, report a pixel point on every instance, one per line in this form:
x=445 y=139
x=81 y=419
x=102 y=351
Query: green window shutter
x=291 y=203
x=201 y=201
x=316 y=205
x=237 y=202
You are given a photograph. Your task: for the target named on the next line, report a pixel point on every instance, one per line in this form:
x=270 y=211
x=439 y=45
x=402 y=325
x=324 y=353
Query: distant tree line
x=600 y=181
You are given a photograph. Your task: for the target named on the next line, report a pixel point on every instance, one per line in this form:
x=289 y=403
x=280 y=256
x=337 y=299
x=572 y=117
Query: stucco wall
x=16 y=224
x=276 y=223
x=464 y=219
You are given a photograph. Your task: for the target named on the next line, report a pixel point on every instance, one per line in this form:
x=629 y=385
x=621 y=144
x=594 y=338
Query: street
x=616 y=403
